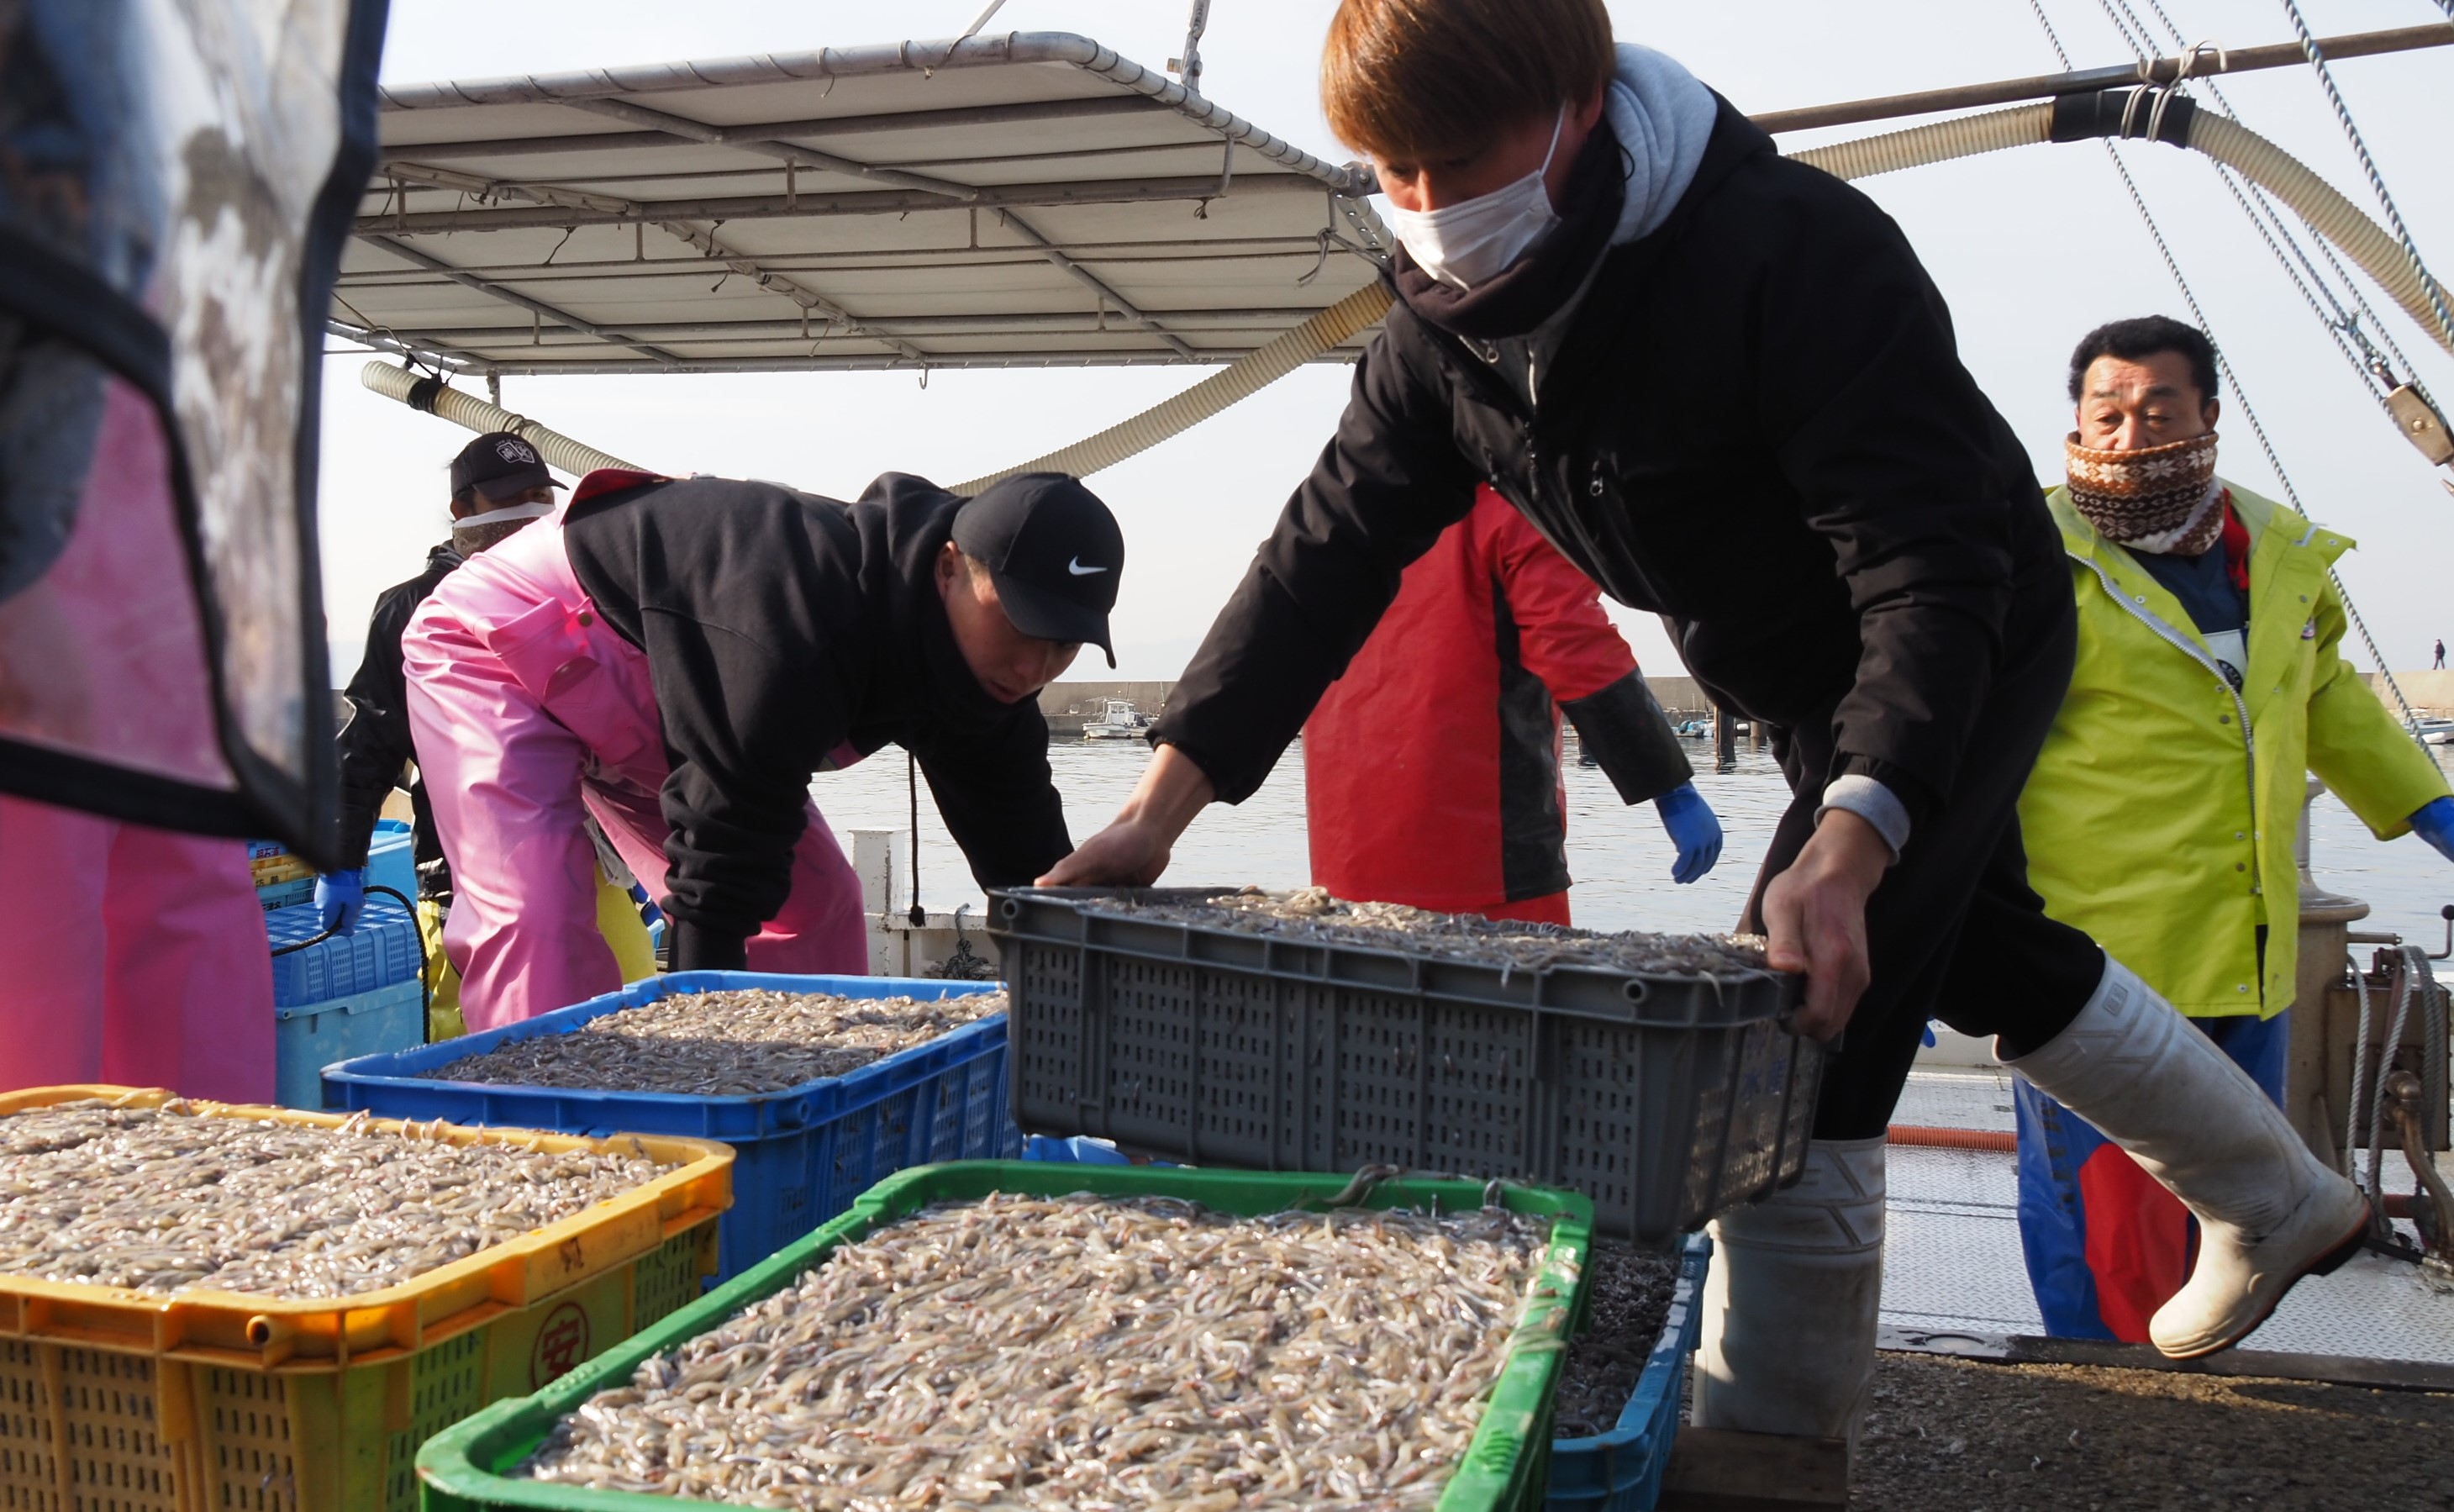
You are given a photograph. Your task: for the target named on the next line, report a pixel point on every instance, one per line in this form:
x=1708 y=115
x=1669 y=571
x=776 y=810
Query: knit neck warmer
x=2158 y=499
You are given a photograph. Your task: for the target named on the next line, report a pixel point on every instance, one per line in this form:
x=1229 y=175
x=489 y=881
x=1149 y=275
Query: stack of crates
x=282 y=880
x=114 y=1400
x=352 y=994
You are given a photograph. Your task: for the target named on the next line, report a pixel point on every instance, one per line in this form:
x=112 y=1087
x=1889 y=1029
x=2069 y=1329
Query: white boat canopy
x=1028 y=200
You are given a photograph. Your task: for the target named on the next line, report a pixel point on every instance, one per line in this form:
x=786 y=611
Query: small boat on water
x=2433 y=731
x=1118 y=720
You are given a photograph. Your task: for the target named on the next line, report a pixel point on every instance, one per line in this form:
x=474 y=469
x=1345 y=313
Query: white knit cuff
x=1870 y=800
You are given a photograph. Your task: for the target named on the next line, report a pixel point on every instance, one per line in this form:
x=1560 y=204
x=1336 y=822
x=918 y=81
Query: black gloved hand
x=696 y=948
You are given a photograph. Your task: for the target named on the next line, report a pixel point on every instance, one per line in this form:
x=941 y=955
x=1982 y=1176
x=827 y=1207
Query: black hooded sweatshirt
x=1756 y=425
x=787 y=633
x=376 y=745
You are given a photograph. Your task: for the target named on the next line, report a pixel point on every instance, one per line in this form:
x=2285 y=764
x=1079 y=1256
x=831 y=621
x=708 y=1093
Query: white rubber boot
x=1791 y=1302
x=2268 y=1212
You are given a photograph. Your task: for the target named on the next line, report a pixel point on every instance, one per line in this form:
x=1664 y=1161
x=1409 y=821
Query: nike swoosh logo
x=1076 y=568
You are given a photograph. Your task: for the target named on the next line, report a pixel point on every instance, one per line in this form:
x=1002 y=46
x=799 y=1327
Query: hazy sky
x=2031 y=247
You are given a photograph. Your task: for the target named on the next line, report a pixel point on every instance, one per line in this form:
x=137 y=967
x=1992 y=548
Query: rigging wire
x=2343 y=326
x=2377 y=181
x=2241 y=394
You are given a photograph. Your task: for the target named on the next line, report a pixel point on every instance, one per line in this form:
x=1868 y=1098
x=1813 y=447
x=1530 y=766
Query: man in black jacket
x=498 y=485
x=1723 y=387
x=677 y=658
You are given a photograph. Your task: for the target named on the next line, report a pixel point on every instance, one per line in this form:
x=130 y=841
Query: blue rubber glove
x=1693 y=828
x=340 y=897
x=2435 y=824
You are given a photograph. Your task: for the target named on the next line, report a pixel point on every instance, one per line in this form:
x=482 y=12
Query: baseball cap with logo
x=498 y=465
x=1052 y=549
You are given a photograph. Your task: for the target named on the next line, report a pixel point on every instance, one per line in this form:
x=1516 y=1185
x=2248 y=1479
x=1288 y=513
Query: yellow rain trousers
x=618 y=920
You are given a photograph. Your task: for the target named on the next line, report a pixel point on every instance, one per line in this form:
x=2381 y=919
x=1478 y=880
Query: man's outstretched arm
x=1134 y=849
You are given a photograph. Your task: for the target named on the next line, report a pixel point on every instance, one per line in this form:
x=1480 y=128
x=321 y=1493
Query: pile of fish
x=1083 y=1352
x=1313 y=915
x=723 y=1044
x=1627 y=1297
x=165 y=1199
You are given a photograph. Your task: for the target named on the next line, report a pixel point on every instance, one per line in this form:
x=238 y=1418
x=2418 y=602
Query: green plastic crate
x=1505 y=1467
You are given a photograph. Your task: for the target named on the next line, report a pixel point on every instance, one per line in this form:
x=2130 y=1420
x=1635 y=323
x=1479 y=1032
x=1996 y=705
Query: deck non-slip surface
x=1951 y=1253
x=1956 y=1436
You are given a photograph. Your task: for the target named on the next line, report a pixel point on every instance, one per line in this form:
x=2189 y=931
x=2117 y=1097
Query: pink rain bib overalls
x=530 y=711
x=140 y=955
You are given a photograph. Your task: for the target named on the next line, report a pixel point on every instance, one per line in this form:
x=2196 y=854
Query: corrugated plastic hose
x=2219 y=137
x=2316 y=201
x=1937 y=143
x=1239 y=379
x=419 y=392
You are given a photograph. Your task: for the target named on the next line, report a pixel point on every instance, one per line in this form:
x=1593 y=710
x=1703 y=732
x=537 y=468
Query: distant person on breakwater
x=2439 y=665
x=2207 y=626
x=1752 y=420
x=1432 y=765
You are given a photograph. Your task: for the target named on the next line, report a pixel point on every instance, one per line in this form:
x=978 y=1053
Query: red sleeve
x=1564 y=638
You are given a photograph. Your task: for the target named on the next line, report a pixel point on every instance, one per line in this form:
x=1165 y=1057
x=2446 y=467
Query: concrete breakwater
x=1071 y=705
x=2430 y=691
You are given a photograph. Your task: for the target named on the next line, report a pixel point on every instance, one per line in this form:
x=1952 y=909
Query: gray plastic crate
x=1666 y=1100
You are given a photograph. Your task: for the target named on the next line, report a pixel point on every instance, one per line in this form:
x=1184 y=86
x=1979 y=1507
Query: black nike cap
x=1052 y=549
x=498 y=465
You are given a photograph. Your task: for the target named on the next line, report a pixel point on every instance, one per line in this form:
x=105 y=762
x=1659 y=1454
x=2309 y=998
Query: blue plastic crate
x=309 y=1036
x=385 y=950
x=1621 y=1470
x=392 y=858
x=800 y=1155
x=292 y=893
x=1082 y=1149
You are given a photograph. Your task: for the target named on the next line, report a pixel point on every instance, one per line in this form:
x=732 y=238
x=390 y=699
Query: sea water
x=1619 y=856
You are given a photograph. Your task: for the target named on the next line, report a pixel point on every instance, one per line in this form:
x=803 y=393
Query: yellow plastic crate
x=268 y=870
x=120 y=1400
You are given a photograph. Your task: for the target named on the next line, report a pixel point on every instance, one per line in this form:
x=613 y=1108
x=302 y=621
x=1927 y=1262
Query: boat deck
x=1952 y=1262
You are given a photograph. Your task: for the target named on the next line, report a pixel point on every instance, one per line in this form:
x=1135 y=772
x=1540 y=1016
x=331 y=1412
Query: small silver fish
x=723 y=1044
x=162 y=1199
x=1023 y=1352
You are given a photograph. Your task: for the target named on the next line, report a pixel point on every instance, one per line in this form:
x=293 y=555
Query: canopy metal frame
x=1029 y=200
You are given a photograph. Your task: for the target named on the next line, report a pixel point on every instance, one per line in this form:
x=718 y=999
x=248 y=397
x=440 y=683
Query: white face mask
x=1476 y=240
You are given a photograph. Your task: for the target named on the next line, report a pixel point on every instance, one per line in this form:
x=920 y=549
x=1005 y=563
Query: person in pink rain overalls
x=153 y=969
x=679 y=657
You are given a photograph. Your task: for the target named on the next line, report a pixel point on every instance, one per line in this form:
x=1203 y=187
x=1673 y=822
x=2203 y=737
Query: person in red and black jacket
x=1432 y=766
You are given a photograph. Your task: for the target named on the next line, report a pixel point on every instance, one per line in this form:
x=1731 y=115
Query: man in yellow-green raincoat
x=2161 y=815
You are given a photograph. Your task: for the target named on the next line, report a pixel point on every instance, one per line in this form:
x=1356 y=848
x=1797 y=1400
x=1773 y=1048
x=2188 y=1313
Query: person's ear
x=2214 y=408
x=1584 y=114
